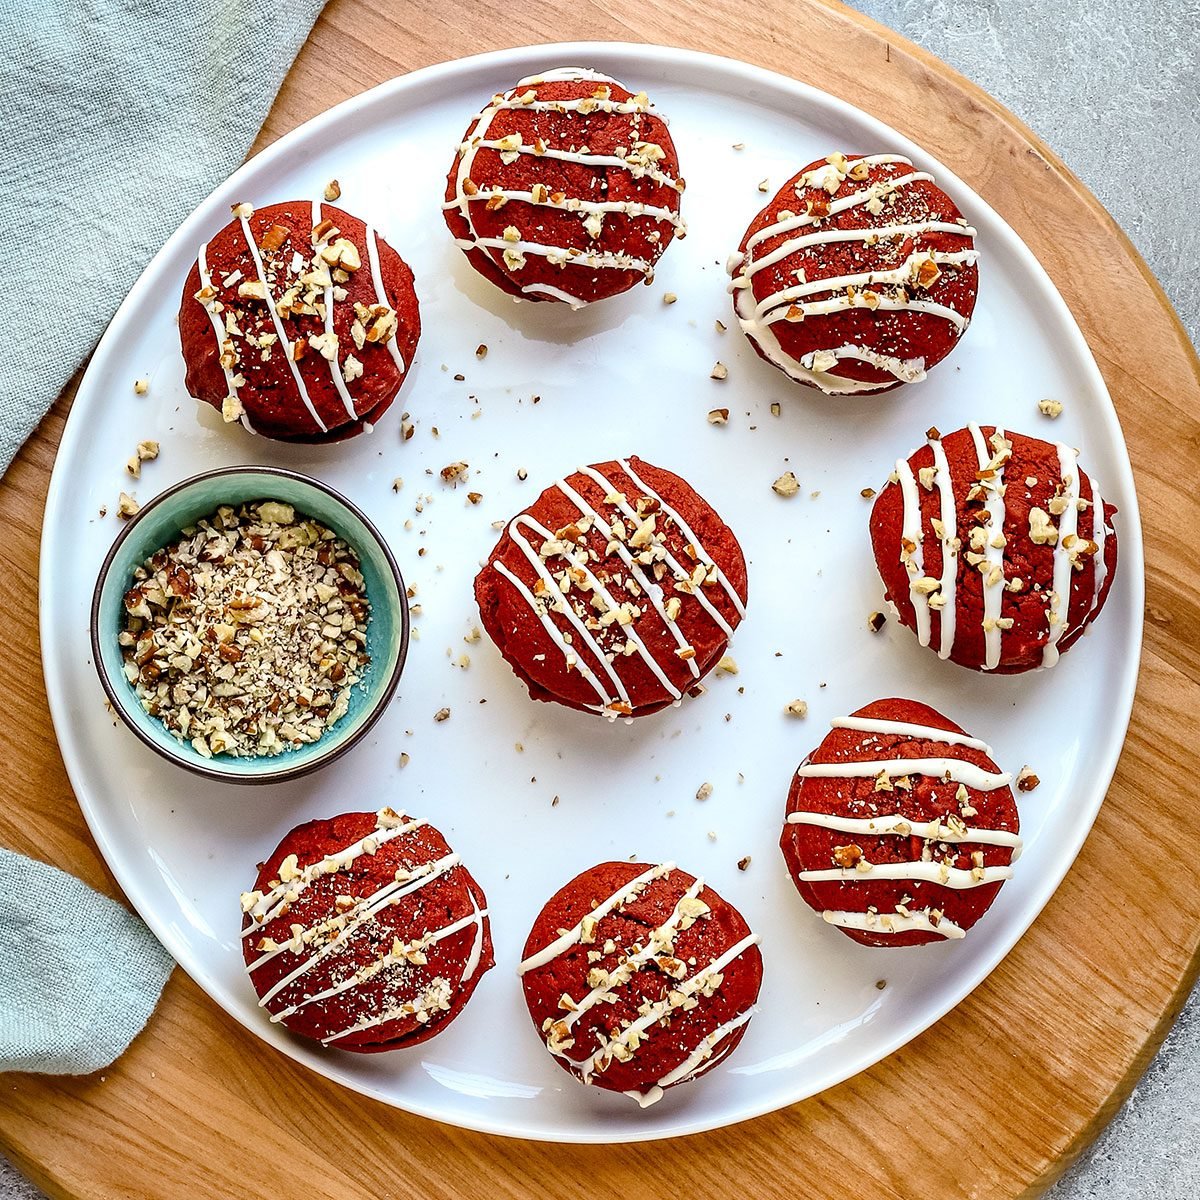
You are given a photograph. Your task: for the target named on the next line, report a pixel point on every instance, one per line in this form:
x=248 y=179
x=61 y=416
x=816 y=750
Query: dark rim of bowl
x=284 y=773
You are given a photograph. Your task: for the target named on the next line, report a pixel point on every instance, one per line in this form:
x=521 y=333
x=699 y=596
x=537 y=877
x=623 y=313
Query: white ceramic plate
x=629 y=376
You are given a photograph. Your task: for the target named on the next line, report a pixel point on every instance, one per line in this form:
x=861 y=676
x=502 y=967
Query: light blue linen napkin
x=79 y=973
x=119 y=117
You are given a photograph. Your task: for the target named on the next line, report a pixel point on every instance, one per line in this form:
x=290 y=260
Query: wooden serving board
x=996 y=1099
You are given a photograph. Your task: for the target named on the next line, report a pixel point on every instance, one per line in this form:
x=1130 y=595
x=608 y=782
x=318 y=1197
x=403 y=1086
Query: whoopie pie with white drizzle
x=996 y=549
x=616 y=591
x=900 y=829
x=299 y=322
x=365 y=932
x=565 y=188
x=857 y=276
x=640 y=977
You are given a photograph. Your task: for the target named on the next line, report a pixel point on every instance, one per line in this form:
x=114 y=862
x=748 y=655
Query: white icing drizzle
x=381 y=295
x=476 y=918
x=950 y=551
x=957 y=878
x=952 y=770
x=1059 y=612
x=364 y=911
x=335 y=365
x=695 y=1063
x=1099 y=534
x=284 y=344
x=697 y=545
x=370 y=970
x=563 y=605
x=637 y=170
x=477 y=140
x=606 y=700
x=918 y=919
x=266 y=908
x=923 y=733
x=913 y=559
x=219 y=330
x=896 y=825
x=770 y=309
x=756 y=317
x=656 y=1011
x=993 y=591
x=557 y=600
x=631 y=208
x=672 y=562
x=600 y=260
x=572 y=936
x=624 y=970
x=653 y=591
x=828 y=236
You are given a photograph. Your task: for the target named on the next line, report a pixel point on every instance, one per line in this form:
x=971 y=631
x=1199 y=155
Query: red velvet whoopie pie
x=298 y=321
x=565 y=188
x=365 y=932
x=859 y=275
x=900 y=828
x=616 y=591
x=996 y=549
x=640 y=978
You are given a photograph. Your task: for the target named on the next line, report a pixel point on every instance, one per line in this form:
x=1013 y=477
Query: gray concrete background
x=1114 y=87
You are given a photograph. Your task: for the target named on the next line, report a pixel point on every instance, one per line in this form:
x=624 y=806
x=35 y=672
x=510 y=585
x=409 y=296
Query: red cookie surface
x=651 y=984
x=365 y=932
x=858 y=276
x=565 y=188
x=900 y=828
x=306 y=336
x=991 y=549
x=616 y=591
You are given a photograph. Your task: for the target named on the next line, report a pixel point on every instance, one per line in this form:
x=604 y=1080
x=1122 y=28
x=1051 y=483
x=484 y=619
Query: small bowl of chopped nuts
x=250 y=624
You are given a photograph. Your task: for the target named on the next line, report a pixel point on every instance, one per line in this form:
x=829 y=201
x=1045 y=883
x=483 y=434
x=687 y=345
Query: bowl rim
x=336 y=749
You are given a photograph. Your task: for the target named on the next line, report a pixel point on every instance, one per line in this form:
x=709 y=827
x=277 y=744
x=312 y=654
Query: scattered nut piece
x=1026 y=779
x=796 y=708
x=442 y=714
x=704 y=791
x=719 y=371
x=141 y=387
x=876 y=621
x=127 y=506
x=743 y=863
x=786 y=485
x=333 y=191
x=1050 y=408
x=669 y=297
x=718 y=416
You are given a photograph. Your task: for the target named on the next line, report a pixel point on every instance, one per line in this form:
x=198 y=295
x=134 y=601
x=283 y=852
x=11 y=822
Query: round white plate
x=629 y=376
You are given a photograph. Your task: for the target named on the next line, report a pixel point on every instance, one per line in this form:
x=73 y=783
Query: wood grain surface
x=995 y=1100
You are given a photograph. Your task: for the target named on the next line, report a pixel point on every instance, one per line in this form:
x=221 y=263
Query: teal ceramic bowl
x=161 y=520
